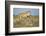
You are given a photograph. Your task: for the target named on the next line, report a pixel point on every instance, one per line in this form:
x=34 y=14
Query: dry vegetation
x=29 y=21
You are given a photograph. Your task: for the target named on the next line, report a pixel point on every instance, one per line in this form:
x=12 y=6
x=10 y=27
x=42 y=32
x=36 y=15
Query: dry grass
x=29 y=21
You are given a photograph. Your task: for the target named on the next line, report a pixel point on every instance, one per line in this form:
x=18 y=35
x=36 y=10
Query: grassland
x=29 y=21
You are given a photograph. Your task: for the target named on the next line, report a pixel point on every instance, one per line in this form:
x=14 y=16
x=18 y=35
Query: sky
x=33 y=12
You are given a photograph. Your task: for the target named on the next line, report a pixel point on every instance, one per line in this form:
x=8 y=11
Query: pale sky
x=33 y=12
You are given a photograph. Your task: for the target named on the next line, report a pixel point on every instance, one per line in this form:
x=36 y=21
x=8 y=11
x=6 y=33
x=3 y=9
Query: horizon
x=33 y=12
